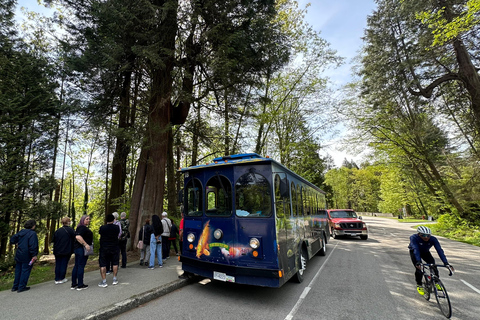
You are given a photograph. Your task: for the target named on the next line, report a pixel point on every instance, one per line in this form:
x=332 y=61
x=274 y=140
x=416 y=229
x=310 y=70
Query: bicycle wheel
x=426 y=287
x=442 y=298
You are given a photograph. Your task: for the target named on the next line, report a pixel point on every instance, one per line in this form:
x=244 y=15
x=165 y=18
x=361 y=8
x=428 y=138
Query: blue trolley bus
x=250 y=220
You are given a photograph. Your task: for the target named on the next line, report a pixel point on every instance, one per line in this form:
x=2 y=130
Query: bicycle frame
x=432 y=283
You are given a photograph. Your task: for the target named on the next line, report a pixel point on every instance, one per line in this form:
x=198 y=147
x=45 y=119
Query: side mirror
x=360 y=217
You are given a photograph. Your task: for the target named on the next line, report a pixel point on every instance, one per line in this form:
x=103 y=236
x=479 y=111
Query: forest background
x=101 y=102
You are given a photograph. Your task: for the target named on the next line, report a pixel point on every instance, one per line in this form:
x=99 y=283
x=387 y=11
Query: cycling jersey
x=419 y=246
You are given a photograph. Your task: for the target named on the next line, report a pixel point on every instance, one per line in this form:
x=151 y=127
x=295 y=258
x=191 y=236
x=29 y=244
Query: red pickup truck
x=345 y=222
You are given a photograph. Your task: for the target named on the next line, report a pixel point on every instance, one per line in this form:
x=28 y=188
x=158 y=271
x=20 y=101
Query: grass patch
x=452 y=227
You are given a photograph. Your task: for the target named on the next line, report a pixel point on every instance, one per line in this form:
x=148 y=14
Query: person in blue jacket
x=420 y=245
x=26 y=255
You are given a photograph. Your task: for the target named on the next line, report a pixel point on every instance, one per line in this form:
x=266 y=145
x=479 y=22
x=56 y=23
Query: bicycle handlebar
x=449 y=267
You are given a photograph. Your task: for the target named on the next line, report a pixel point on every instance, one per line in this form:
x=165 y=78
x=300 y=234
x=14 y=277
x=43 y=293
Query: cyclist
x=420 y=245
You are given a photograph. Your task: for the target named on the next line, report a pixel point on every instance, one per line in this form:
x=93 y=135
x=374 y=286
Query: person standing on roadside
x=167 y=225
x=172 y=240
x=180 y=233
x=117 y=223
x=144 y=235
x=25 y=256
x=156 y=242
x=109 y=250
x=84 y=238
x=125 y=234
x=63 y=241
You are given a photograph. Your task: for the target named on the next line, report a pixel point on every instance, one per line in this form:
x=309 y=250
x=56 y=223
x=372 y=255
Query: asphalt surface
x=137 y=285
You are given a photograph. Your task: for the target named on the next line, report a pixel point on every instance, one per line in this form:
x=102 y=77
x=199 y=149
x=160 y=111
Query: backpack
x=125 y=224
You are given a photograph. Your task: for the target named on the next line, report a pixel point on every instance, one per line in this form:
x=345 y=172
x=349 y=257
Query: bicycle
x=432 y=282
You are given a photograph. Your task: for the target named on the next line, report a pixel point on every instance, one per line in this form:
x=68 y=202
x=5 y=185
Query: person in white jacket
x=167 y=225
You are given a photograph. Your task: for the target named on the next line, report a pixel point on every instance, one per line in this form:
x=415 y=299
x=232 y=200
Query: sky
x=342 y=24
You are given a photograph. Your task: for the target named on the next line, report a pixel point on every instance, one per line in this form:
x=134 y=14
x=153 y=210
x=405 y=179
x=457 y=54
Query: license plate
x=222 y=277
x=353 y=234
x=219 y=276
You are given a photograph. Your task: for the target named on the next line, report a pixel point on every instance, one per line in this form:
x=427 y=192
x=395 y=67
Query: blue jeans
x=79 y=269
x=61 y=263
x=155 y=247
x=22 y=273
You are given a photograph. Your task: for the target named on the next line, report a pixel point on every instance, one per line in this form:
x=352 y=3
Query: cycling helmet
x=424 y=230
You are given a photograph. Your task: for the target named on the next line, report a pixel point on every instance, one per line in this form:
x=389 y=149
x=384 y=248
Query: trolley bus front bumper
x=237 y=274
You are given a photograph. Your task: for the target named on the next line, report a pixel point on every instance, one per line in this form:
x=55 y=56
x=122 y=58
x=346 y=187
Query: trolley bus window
x=219 y=195
x=252 y=196
x=294 y=200
x=299 y=201
x=282 y=199
x=194 y=199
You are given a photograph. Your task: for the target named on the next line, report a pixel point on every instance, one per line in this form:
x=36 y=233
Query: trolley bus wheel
x=302 y=266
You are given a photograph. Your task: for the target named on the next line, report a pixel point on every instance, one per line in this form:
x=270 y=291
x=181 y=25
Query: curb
x=136 y=300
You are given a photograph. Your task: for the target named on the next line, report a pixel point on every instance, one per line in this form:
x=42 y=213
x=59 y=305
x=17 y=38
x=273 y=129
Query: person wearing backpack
x=167 y=225
x=125 y=227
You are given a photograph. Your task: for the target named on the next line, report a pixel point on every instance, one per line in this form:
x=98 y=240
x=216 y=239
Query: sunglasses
x=424 y=235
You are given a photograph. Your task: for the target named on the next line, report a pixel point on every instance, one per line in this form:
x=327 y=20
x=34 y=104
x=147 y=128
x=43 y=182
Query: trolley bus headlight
x=218 y=234
x=191 y=237
x=254 y=243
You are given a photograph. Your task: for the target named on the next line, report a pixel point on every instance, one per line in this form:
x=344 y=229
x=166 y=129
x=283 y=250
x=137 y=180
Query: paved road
x=357 y=279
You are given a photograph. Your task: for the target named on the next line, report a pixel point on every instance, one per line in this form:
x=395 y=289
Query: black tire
x=302 y=263
x=426 y=286
x=364 y=237
x=442 y=298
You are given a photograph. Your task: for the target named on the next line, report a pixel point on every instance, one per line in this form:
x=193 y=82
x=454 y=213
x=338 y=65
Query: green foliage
x=7 y=263
x=458 y=229
x=444 y=30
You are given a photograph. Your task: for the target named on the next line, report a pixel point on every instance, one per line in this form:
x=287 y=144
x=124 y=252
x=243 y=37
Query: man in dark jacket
x=26 y=255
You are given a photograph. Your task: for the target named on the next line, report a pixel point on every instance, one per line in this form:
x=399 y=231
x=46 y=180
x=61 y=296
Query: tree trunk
x=122 y=149
x=171 y=185
x=136 y=213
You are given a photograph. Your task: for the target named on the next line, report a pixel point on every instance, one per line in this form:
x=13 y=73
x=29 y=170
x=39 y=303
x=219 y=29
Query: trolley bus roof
x=241 y=159
x=230 y=160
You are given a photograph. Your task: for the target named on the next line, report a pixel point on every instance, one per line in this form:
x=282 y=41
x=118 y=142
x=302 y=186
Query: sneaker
x=115 y=281
x=103 y=284
x=74 y=286
x=141 y=262
x=151 y=268
x=109 y=272
x=61 y=281
x=160 y=266
x=80 y=288
x=439 y=287
x=146 y=264
x=421 y=290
